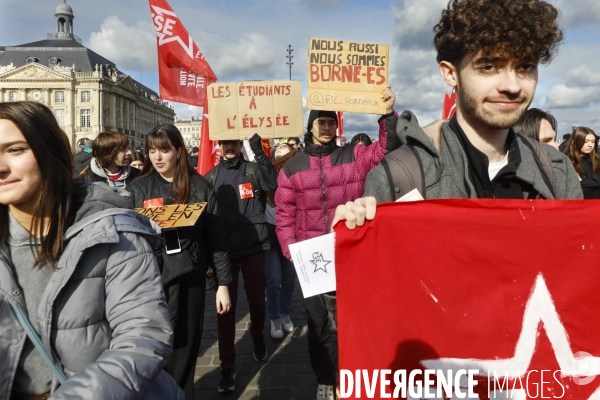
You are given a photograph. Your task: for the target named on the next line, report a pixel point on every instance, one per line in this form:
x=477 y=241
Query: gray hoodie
x=446 y=176
x=103 y=316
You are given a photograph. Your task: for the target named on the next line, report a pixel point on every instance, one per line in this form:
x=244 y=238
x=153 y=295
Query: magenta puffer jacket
x=312 y=184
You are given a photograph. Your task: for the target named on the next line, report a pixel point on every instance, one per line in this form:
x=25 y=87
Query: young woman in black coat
x=169 y=179
x=585 y=159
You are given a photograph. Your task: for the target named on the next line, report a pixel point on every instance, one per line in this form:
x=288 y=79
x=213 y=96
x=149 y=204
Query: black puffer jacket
x=202 y=245
x=590 y=182
x=244 y=219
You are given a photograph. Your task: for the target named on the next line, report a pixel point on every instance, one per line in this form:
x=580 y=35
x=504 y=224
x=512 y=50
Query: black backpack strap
x=404 y=171
x=251 y=172
x=543 y=161
x=390 y=179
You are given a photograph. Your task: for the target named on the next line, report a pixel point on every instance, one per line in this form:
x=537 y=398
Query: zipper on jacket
x=323 y=187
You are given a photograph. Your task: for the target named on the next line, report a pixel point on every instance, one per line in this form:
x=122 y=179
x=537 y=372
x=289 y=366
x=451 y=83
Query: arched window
x=52 y=61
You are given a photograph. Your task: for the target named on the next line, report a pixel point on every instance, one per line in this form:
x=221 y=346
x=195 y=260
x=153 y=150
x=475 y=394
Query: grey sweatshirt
x=33 y=375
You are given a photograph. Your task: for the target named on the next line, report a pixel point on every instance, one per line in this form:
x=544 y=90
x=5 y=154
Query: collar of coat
x=232 y=163
x=320 y=149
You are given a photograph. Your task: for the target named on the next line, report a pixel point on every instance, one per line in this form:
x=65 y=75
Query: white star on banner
x=539 y=308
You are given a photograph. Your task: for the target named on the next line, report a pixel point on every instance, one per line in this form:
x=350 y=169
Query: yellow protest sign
x=174 y=215
x=272 y=109
x=347 y=76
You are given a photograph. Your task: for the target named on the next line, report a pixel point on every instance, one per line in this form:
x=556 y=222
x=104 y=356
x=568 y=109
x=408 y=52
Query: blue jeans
x=280 y=275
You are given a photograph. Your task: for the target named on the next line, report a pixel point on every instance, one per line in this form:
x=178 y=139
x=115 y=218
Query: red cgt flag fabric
x=183 y=74
x=340 y=129
x=507 y=286
x=266 y=145
x=209 y=152
x=183 y=71
x=449 y=105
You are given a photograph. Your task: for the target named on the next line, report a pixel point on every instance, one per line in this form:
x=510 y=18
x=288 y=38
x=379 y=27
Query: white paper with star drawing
x=315 y=264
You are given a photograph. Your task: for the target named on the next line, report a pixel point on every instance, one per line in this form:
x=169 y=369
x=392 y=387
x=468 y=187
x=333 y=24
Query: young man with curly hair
x=489 y=52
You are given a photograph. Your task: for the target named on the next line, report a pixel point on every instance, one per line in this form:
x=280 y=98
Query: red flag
x=466 y=285
x=340 y=130
x=449 y=105
x=183 y=74
x=209 y=151
x=183 y=71
x=266 y=145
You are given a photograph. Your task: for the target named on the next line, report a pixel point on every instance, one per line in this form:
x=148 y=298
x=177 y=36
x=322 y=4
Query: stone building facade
x=86 y=92
x=190 y=130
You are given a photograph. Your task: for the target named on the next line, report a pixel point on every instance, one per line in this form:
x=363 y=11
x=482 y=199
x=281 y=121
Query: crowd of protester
x=116 y=304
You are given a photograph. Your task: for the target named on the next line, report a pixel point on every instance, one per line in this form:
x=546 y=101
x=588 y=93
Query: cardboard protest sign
x=347 y=76
x=270 y=108
x=278 y=164
x=174 y=215
x=476 y=293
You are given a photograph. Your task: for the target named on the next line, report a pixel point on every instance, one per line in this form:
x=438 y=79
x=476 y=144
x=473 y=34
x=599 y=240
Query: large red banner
x=183 y=74
x=505 y=293
x=183 y=71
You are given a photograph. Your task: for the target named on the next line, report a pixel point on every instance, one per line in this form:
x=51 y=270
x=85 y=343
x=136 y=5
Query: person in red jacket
x=310 y=187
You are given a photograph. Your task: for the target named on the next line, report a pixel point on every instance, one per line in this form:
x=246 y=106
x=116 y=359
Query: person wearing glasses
x=310 y=187
x=294 y=142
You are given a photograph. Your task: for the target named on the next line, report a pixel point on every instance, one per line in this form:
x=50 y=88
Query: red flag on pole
x=209 y=152
x=183 y=73
x=449 y=105
x=340 y=130
x=461 y=286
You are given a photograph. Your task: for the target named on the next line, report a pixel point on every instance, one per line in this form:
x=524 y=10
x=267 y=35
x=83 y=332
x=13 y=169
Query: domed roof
x=64 y=8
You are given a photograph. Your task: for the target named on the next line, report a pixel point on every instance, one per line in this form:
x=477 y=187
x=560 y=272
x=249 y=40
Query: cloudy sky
x=248 y=40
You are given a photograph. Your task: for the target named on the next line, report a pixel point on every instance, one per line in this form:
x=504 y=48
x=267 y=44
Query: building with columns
x=190 y=130
x=86 y=92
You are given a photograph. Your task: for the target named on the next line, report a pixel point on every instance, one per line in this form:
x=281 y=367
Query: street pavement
x=286 y=374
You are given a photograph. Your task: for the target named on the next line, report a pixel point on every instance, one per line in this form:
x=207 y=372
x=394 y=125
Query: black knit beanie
x=314 y=114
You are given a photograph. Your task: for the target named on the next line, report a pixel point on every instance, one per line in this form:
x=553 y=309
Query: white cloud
x=319 y=5
x=187 y=111
x=583 y=76
x=414 y=72
x=356 y=123
x=251 y=54
x=131 y=47
x=561 y=96
x=576 y=13
x=415 y=20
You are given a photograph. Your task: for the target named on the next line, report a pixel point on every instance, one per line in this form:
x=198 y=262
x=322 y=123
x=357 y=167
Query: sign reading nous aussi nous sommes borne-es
x=347 y=76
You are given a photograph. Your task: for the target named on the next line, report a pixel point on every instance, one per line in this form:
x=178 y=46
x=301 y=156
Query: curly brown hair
x=518 y=28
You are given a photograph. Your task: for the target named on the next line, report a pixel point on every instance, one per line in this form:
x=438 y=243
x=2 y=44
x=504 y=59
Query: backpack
x=404 y=169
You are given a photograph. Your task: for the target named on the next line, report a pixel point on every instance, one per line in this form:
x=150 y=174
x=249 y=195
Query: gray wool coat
x=445 y=175
x=103 y=316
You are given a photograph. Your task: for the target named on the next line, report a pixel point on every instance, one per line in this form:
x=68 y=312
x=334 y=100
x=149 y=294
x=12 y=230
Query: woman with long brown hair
x=187 y=252
x=582 y=153
x=76 y=262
